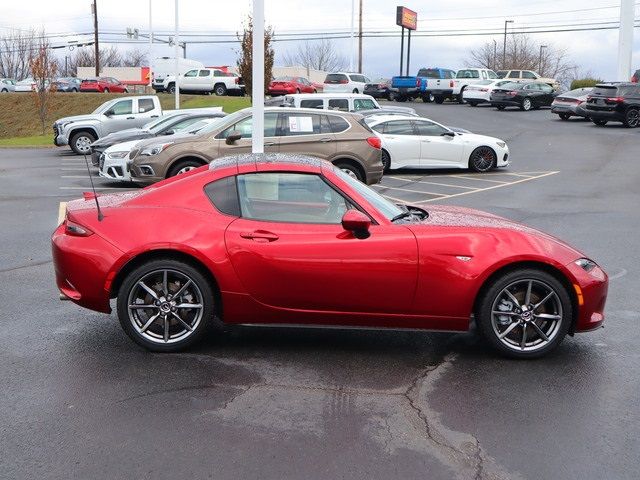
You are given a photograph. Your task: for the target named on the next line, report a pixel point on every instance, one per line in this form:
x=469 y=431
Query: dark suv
x=614 y=102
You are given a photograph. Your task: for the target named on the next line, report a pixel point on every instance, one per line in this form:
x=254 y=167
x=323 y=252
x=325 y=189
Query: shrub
x=584 y=82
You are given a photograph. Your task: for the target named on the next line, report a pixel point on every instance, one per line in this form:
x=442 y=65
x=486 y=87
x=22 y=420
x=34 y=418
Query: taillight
x=512 y=93
x=613 y=100
x=344 y=81
x=484 y=89
x=451 y=83
x=76 y=230
x=237 y=80
x=375 y=142
x=417 y=82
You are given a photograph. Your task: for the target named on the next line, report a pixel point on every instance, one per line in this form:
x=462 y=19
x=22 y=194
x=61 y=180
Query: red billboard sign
x=406 y=18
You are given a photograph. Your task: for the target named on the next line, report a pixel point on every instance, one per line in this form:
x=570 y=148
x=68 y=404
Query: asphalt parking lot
x=79 y=400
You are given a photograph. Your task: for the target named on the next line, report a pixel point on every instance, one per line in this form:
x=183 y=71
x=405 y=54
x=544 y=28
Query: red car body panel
x=278 y=87
x=414 y=275
x=102 y=84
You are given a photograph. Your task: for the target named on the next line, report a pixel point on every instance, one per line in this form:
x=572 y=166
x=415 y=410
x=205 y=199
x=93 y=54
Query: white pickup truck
x=206 y=80
x=80 y=131
x=470 y=76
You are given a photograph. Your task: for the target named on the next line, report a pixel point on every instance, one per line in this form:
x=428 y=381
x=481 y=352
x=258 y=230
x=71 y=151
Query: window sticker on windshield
x=300 y=124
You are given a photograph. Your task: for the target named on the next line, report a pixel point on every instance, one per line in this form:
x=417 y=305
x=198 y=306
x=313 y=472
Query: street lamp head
x=509 y=21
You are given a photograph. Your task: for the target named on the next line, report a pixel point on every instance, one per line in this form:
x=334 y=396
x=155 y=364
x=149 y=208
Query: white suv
x=345 y=82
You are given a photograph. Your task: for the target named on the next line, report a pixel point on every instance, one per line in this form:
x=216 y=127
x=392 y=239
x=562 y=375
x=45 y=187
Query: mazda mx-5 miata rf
x=282 y=240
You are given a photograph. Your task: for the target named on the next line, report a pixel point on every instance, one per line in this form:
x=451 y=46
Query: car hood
x=122 y=146
x=122 y=136
x=79 y=118
x=476 y=138
x=175 y=138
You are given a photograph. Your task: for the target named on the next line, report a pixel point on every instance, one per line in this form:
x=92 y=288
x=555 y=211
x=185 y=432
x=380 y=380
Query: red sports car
x=288 y=85
x=277 y=239
x=103 y=85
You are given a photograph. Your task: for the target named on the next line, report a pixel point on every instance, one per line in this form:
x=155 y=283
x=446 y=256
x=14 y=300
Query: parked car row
x=65 y=84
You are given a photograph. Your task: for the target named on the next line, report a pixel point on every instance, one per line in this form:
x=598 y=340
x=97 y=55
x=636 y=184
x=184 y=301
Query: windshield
x=103 y=107
x=155 y=124
x=384 y=206
x=205 y=126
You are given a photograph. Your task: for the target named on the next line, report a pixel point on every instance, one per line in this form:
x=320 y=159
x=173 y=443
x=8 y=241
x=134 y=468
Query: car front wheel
x=165 y=305
x=183 y=167
x=524 y=313
x=564 y=116
x=526 y=104
x=482 y=159
x=81 y=143
x=220 y=90
x=599 y=122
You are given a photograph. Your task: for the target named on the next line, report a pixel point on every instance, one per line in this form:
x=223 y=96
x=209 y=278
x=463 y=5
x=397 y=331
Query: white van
x=345 y=102
x=165 y=66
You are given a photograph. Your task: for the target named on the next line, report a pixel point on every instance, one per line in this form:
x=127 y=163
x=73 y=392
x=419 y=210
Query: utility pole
x=257 y=81
x=360 y=40
x=176 y=53
x=504 y=45
x=150 y=46
x=625 y=39
x=353 y=43
x=540 y=59
x=495 y=54
x=94 y=10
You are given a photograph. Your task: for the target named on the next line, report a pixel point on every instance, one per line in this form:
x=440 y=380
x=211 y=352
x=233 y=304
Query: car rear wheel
x=74 y=90
x=632 y=118
x=386 y=161
x=401 y=98
x=460 y=97
x=106 y=90
x=165 y=305
x=351 y=170
x=183 y=166
x=171 y=88
x=482 y=159
x=564 y=116
x=439 y=99
x=500 y=107
x=472 y=103
x=524 y=313
x=81 y=143
x=220 y=90
x=599 y=122
x=526 y=105
x=4 y=90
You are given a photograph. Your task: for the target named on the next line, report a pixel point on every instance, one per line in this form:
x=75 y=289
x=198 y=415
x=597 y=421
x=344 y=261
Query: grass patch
x=19 y=118
x=30 y=141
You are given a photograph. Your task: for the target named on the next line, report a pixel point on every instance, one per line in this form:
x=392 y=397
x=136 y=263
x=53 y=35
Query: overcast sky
x=594 y=51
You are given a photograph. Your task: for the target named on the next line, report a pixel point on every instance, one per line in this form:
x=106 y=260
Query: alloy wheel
x=526 y=104
x=186 y=169
x=526 y=315
x=632 y=118
x=165 y=306
x=483 y=159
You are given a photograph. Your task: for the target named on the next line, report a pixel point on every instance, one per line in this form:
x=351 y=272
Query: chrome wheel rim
x=350 y=172
x=186 y=169
x=82 y=144
x=526 y=104
x=483 y=159
x=526 y=315
x=632 y=117
x=165 y=306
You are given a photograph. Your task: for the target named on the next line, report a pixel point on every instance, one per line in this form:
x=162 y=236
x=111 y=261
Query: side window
x=290 y=197
x=145 y=105
x=363 y=104
x=315 y=103
x=123 y=107
x=341 y=104
x=492 y=74
x=337 y=123
x=430 y=129
x=399 y=127
x=191 y=73
x=244 y=126
x=484 y=75
x=378 y=128
x=204 y=73
x=301 y=124
x=185 y=123
x=529 y=75
x=546 y=88
x=514 y=74
x=223 y=194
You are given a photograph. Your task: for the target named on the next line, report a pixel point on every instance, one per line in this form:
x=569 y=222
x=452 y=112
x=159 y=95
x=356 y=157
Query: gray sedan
x=571 y=104
x=7 y=85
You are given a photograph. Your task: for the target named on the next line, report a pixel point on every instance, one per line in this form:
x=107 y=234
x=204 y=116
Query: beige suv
x=339 y=137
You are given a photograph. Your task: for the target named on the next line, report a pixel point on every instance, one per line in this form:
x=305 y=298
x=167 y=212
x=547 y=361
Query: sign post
x=407 y=19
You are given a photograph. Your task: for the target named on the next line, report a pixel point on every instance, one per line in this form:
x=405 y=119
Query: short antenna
x=95 y=195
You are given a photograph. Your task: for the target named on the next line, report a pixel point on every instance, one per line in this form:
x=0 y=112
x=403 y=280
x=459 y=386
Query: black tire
x=472 y=103
x=200 y=319
x=297 y=90
x=171 y=88
x=355 y=90
x=526 y=105
x=74 y=90
x=183 y=166
x=315 y=91
x=460 y=98
x=80 y=142
x=126 y=90
x=106 y=90
x=220 y=90
x=401 y=98
x=631 y=118
x=518 y=281
x=600 y=122
x=564 y=116
x=439 y=99
x=351 y=170
x=501 y=107
x=4 y=90
x=483 y=159
x=386 y=161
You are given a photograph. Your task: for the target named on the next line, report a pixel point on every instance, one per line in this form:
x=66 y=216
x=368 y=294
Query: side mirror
x=233 y=137
x=171 y=131
x=108 y=113
x=356 y=222
x=448 y=134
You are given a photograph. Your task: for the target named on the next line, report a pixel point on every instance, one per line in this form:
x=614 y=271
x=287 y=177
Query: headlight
x=155 y=149
x=64 y=124
x=117 y=154
x=501 y=144
x=586 y=264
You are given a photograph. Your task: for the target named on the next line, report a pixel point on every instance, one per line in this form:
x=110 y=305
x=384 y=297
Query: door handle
x=325 y=140
x=426 y=141
x=131 y=118
x=260 y=235
x=154 y=116
x=269 y=144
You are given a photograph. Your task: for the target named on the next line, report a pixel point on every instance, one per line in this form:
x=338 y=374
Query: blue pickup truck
x=431 y=84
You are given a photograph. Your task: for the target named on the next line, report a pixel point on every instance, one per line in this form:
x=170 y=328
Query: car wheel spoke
x=182 y=289
x=149 y=290
x=188 y=306
x=149 y=322
x=523 y=342
x=548 y=316
x=541 y=302
x=187 y=326
x=508 y=330
x=166 y=329
x=513 y=298
x=165 y=283
x=527 y=296
x=539 y=331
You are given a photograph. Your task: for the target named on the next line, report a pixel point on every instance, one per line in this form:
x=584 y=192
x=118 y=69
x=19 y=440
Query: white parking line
x=481 y=179
x=74 y=169
x=436 y=183
x=412 y=191
x=488 y=188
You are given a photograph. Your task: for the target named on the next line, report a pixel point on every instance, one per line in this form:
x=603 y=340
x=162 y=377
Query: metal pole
x=540 y=59
x=495 y=54
x=408 y=50
x=95 y=36
x=150 y=46
x=360 y=39
x=401 y=50
x=352 y=60
x=257 y=74
x=504 y=45
x=625 y=39
x=176 y=54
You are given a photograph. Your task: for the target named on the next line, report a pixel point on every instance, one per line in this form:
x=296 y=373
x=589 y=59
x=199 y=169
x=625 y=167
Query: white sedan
x=481 y=91
x=410 y=142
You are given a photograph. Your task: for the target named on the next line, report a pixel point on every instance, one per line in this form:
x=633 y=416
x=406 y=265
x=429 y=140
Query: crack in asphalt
x=29 y=265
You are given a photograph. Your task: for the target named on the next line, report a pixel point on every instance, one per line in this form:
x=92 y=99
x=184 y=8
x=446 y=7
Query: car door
x=290 y=252
x=203 y=82
x=438 y=147
x=121 y=116
x=400 y=139
x=189 y=81
x=547 y=94
x=244 y=128
x=532 y=92
x=146 y=110
x=306 y=134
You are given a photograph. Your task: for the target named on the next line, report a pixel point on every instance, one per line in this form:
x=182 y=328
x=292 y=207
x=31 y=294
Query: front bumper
x=591 y=290
x=59 y=139
x=114 y=168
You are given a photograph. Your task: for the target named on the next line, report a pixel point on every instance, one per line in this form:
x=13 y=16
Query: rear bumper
x=610 y=115
x=90 y=90
x=281 y=91
x=437 y=92
x=504 y=103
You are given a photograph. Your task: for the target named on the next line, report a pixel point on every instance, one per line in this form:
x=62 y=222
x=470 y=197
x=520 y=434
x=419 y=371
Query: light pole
x=495 y=54
x=504 y=44
x=257 y=74
x=540 y=59
x=625 y=39
x=176 y=50
x=150 y=47
x=353 y=43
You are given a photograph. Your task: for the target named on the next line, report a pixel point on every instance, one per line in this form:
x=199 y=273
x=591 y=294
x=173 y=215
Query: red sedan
x=288 y=85
x=288 y=240
x=103 y=85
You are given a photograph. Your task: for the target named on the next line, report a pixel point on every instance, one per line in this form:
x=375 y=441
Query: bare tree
x=522 y=53
x=316 y=55
x=245 y=56
x=17 y=48
x=43 y=68
x=86 y=57
x=134 y=58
